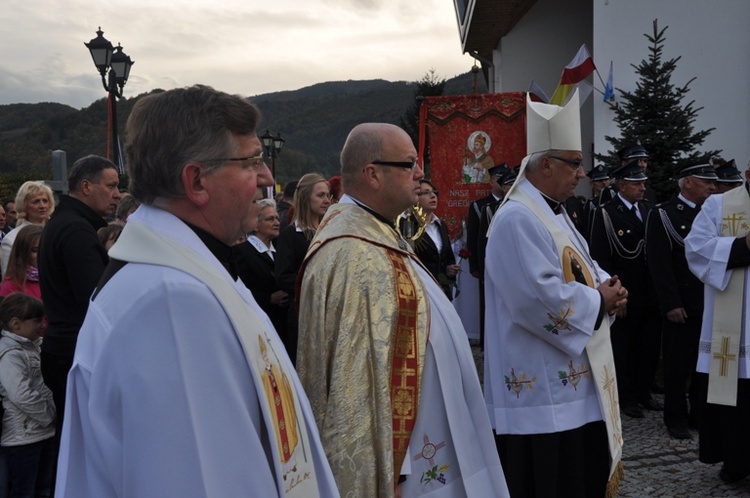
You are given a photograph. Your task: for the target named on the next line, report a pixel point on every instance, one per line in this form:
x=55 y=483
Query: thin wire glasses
x=255 y=162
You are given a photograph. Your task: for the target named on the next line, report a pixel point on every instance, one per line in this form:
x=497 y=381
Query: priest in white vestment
x=383 y=355
x=549 y=373
x=169 y=393
x=718 y=253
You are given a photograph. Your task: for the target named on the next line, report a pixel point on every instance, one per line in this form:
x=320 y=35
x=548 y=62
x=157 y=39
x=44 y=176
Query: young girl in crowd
x=22 y=274
x=109 y=234
x=28 y=425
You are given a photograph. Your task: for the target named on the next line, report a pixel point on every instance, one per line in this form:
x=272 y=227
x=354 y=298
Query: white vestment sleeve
x=706 y=251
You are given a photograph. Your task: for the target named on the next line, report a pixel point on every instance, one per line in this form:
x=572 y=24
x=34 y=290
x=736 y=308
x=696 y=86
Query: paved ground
x=657 y=465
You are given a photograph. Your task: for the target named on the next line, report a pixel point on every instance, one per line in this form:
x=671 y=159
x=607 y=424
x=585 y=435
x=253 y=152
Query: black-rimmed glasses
x=412 y=165
x=573 y=164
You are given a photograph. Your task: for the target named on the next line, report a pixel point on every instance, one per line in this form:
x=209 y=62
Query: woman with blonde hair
x=311 y=200
x=22 y=274
x=34 y=203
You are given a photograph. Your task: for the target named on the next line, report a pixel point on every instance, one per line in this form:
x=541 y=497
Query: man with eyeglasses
x=618 y=245
x=382 y=353
x=549 y=378
x=180 y=386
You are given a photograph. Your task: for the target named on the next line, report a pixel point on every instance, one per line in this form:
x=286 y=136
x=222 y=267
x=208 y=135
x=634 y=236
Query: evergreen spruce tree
x=431 y=85
x=655 y=116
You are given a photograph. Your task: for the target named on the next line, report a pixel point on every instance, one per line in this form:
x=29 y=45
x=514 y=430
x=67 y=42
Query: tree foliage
x=314 y=121
x=655 y=116
x=430 y=85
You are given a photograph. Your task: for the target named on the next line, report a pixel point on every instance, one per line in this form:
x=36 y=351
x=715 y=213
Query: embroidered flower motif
x=573 y=376
x=429 y=453
x=559 y=321
x=516 y=384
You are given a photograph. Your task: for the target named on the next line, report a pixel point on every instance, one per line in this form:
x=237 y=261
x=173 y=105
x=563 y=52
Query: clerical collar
x=378 y=216
x=553 y=204
x=225 y=254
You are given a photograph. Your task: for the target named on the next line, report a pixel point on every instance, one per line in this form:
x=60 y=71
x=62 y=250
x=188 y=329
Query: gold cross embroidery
x=732 y=221
x=610 y=386
x=724 y=356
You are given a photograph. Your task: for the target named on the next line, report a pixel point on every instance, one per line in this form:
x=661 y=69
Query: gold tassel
x=615 y=480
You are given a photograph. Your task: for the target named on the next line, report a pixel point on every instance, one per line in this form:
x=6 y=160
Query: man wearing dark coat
x=680 y=294
x=618 y=245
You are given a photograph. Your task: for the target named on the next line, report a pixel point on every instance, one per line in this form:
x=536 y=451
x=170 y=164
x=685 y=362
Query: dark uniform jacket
x=485 y=219
x=676 y=286
x=473 y=240
x=618 y=245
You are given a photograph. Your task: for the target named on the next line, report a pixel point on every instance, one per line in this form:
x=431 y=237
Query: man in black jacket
x=680 y=294
x=71 y=261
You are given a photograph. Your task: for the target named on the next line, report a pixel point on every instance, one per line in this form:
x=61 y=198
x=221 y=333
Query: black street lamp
x=273 y=146
x=114 y=67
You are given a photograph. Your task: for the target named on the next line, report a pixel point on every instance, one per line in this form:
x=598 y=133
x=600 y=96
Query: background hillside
x=313 y=120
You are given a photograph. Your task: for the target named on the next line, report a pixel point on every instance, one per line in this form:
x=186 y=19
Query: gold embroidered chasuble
x=364 y=325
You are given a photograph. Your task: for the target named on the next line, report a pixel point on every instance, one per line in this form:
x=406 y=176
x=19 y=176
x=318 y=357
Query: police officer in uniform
x=618 y=245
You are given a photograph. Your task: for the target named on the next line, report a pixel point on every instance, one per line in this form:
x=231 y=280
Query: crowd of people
x=192 y=336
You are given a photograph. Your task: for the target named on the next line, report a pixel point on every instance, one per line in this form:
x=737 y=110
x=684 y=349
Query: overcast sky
x=247 y=47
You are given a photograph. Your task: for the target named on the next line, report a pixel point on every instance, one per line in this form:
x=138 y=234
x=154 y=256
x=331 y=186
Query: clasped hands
x=615 y=296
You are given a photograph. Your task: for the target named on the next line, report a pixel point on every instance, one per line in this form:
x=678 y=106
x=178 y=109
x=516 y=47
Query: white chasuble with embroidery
x=546 y=368
x=724 y=340
x=180 y=386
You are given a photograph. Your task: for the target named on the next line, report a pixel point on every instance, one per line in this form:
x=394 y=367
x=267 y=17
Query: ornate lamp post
x=272 y=146
x=114 y=67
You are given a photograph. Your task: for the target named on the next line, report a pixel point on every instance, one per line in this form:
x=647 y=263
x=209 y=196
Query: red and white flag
x=579 y=68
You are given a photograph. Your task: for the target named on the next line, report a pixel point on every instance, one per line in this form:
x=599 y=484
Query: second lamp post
x=272 y=146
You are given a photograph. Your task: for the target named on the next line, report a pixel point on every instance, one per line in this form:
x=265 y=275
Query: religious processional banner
x=467 y=135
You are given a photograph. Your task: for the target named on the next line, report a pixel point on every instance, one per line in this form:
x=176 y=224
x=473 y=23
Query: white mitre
x=551 y=127
x=548 y=127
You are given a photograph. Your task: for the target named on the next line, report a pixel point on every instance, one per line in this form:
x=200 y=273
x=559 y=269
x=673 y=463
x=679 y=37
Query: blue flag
x=609 y=89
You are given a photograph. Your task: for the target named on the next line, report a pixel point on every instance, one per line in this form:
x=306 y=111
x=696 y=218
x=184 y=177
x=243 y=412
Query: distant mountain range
x=313 y=120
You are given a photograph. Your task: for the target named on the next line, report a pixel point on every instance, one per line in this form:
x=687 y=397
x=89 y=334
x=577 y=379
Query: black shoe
x=633 y=411
x=729 y=477
x=679 y=432
x=653 y=405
